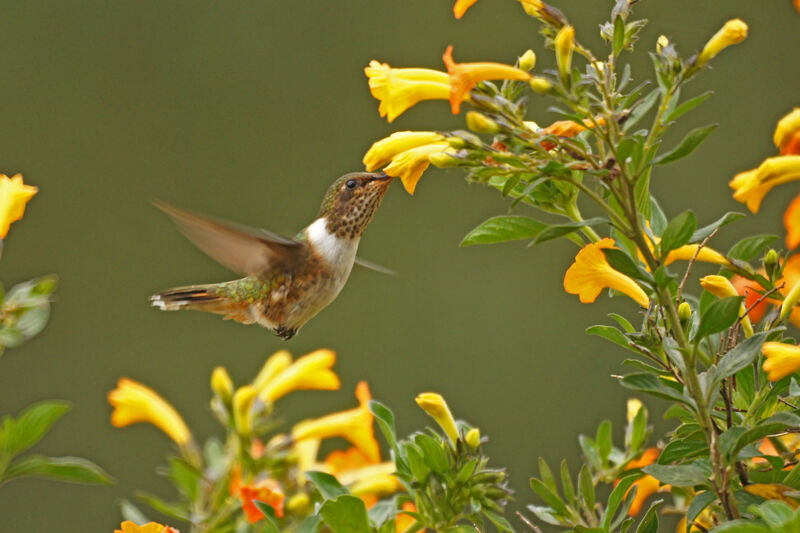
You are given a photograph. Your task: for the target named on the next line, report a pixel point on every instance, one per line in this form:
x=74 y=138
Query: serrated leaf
x=345 y=514
x=503 y=229
x=327 y=485
x=688 y=145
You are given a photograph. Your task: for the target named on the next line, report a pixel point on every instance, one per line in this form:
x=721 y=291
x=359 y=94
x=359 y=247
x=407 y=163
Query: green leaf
x=749 y=248
x=621 y=262
x=32 y=424
x=269 y=525
x=677 y=475
x=603 y=439
x=741 y=526
x=687 y=145
x=641 y=108
x=503 y=229
x=382 y=511
x=724 y=220
x=658 y=221
x=623 y=322
x=416 y=463
x=185 y=477
x=770 y=426
x=559 y=230
x=586 y=488
x=70 y=469
x=619 y=35
x=616 y=497
x=719 y=316
x=649 y=523
x=310 y=524
x=682 y=449
x=549 y=497
x=327 y=485
x=687 y=106
x=499 y=521
x=433 y=453
x=696 y=506
x=741 y=356
x=345 y=514
x=610 y=333
x=792 y=479
x=678 y=232
x=566 y=483
x=650 y=384
x=385 y=419
x=130 y=512
x=173 y=510
x=546 y=475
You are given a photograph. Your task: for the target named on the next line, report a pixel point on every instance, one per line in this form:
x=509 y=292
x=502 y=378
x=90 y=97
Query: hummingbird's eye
x=351 y=184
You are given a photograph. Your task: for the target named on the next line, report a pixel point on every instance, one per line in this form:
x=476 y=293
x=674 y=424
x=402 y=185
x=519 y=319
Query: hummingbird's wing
x=374 y=266
x=244 y=250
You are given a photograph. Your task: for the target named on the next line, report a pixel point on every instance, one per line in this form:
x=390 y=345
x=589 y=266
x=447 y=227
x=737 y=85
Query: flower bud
x=661 y=43
x=443 y=160
x=456 y=142
x=734 y=31
x=242 y=403
x=684 y=311
x=473 y=438
x=565 y=45
x=527 y=60
x=771 y=263
x=298 y=504
x=540 y=85
x=480 y=123
x=221 y=384
x=436 y=407
x=634 y=405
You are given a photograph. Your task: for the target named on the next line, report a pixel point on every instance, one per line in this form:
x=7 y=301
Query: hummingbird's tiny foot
x=285 y=333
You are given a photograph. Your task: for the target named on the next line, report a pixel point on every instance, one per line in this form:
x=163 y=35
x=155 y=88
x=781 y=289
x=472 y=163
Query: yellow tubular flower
x=543 y=12
x=591 y=273
x=461 y=6
x=564 y=44
x=751 y=186
x=14 y=194
x=398 y=89
x=312 y=371
x=355 y=425
x=134 y=402
x=464 y=76
x=782 y=359
x=734 y=31
x=221 y=384
x=787 y=131
x=273 y=366
x=409 y=165
x=436 y=407
x=242 y=404
x=383 y=151
x=721 y=287
x=306 y=451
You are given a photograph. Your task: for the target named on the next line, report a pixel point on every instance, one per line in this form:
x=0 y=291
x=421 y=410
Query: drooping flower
x=787 y=133
x=751 y=186
x=782 y=359
x=409 y=165
x=274 y=365
x=355 y=425
x=312 y=371
x=464 y=76
x=646 y=485
x=687 y=253
x=14 y=194
x=398 y=89
x=461 y=6
x=791 y=221
x=434 y=404
x=734 y=31
x=591 y=273
x=152 y=527
x=407 y=153
x=134 y=402
x=265 y=490
x=721 y=287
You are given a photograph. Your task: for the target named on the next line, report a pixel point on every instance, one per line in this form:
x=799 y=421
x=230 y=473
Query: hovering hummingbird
x=287 y=281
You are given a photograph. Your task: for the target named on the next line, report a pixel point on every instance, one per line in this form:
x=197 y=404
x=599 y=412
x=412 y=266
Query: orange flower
x=647 y=485
x=751 y=291
x=403 y=521
x=266 y=490
x=797 y=5
x=349 y=459
x=568 y=128
x=461 y=7
x=464 y=76
x=152 y=527
x=787 y=133
x=791 y=221
x=591 y=273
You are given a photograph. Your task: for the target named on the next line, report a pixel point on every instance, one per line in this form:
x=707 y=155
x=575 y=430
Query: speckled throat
x=348 y=216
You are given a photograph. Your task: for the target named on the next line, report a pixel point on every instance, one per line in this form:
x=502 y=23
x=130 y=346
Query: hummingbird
x=286 y=281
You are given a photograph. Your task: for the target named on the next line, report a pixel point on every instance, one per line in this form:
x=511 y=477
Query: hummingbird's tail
x=202 y=298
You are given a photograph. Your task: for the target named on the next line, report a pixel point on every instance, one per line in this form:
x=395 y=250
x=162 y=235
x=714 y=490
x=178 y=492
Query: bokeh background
x=248 y=110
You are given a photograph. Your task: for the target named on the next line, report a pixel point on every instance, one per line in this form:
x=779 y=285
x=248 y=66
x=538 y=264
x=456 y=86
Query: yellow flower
x=782 y=359
x=355 y=425
x=646 y=485
x=274 y=365
x=633 y=407
x=773 y=491
x=152 y=527
x=686 y=253
x=408 y=152
x=242 y=405
x=306 y=451
x=461 y=6
x=134 y=402
x=564 y=44
x=591 y=273
x=751 y=186
x=14 y=194
x=398 y=89
x=791 y=221
x=543 y=12
x=221 y=384
x=464 y=76
x=788 y=132
x=721 y=287
x=312 y=371
x=734 y=31
x=473 y=438
x=436 y=407
x=790 y=300
x=374 y=480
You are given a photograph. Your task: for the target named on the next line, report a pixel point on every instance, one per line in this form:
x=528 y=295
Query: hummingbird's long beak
x=380 y=176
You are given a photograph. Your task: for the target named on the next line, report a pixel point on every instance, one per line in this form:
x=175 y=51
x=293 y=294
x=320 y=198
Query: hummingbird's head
x=351 y=202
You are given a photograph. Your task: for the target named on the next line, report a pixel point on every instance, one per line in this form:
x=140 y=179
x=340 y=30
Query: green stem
x=572 y=211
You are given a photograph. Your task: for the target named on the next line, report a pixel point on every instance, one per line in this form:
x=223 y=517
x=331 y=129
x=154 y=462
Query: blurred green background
x=248 y=110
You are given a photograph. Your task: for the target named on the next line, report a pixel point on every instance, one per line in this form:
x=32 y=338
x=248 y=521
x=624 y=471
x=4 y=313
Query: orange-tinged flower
x=461 y=6
x=404 y=521
x=787 y=133
x=134 y=402
x=267 y=491
x=14 y=194
x=797 y=5
x=781 y=359
x=646 y=485
x=464 y=76
x=751 y=291
x=312 y=371
x=591 y=273
x=398 y=89
x=355 y=425
x=751 y=186
x=152 y=527
x=349 y=459
x=791 y=221
x=568 y=128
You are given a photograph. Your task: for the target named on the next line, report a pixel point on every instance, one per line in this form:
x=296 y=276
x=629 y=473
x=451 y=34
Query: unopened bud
x=298 y=504
x=473 y=438
x=634 y=405
x=242 y=403
x=734 y=31
x=480 y=123
x=540 y=85
x=527 y=60
x=565 y=45
x=443 y=160
x=661 y=43
x=437 y=408
x=684 y=311
x=456 y=142
x=221 y=384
